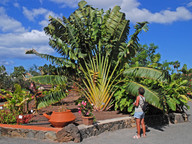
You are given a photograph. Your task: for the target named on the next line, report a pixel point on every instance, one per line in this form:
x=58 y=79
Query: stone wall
x=78 y=133
x=106 y=125
x=27 y=133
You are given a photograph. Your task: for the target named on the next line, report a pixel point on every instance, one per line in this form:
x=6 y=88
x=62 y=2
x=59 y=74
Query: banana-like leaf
x=50 y=79
x=144 y=72
x=51 y=99
x=133 y=44
x=172 y=104
x=150 y=96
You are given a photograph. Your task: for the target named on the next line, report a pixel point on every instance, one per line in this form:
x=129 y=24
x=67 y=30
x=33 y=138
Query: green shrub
x=7 y=117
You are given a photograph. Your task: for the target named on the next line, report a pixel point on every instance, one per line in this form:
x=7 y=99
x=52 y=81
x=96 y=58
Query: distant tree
x=146 y=56
x=18 y=76
x=5 y=79
x=34 y=71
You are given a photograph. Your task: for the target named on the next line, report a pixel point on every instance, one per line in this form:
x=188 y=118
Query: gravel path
x=171 y=134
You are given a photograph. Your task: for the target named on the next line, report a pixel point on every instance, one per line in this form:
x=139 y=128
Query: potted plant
x=61 y=118
x=86 y=109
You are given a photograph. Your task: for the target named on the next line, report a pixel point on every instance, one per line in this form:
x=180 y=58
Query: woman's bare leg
x=138 y=121
x=143 y=127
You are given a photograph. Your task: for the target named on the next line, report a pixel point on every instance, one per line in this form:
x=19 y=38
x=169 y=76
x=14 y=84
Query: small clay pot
x=87 y=120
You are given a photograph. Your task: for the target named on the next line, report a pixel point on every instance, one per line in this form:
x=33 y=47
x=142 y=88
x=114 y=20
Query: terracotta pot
x=87 y=120
x=60 y=119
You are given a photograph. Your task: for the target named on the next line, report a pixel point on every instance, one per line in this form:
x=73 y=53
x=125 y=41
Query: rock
x=69 y=133
x=50 y=136
x=0 y=131
x=40 y=135
x=63 y=136
x=30 y=134
x=133 y=125
x=4 y=131
x=15 y=134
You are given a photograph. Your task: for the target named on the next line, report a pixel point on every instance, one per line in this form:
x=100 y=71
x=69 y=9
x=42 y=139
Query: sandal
x=136 y=137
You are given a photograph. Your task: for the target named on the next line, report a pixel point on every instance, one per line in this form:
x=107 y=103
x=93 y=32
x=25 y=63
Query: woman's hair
x=141 y=90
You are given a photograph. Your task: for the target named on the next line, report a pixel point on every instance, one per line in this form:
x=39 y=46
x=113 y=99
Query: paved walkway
x=171 y=134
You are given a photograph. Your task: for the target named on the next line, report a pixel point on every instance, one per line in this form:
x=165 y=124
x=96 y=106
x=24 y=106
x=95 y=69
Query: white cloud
x=16 y=5
x=34 y=13
x=4 y=1
x=134 y=13
x=164 y=16
x=4 y=62
x=34 y=37
x=14 y=45
x=8 y=24
x=189 y=4
x=41 y=1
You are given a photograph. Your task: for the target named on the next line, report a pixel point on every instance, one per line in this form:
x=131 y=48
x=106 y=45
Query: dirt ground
x=69 y=101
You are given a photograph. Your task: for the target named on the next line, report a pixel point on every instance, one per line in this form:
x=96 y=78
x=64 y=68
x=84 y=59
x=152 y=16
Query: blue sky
x=22 y=23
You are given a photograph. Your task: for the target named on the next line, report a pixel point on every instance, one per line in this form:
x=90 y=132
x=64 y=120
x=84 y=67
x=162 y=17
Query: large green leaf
x=144 y=72
x=151 y=97
x=51 y=99
x=50 y=79
x=172 y=104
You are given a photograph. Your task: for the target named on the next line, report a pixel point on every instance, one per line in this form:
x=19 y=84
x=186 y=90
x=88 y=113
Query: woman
x=139 y=113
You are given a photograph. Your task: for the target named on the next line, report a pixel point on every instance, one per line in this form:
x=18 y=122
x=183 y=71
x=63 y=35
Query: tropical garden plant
x=99 y=82
x=7 y=117
x=86 y=32
x=17 y=100
x=55 y=94
x=90 y=32
x=163 y=91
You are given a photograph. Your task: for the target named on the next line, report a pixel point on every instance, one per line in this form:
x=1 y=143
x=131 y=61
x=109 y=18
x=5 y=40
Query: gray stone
x=69 y=133
x=31 y=134
x=63 y=136
x=0 y=130
x=16 y=134
x=5 y=131
x=176 y=118
x=40 y=135
x=50 y=136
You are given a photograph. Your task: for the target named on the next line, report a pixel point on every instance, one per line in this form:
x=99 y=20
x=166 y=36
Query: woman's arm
x=137 y=101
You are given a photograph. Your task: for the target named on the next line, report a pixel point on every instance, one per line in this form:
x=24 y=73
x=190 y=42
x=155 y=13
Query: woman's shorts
x=139 y=115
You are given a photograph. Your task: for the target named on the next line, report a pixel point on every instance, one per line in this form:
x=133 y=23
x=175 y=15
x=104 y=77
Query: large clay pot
x=60 y=119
